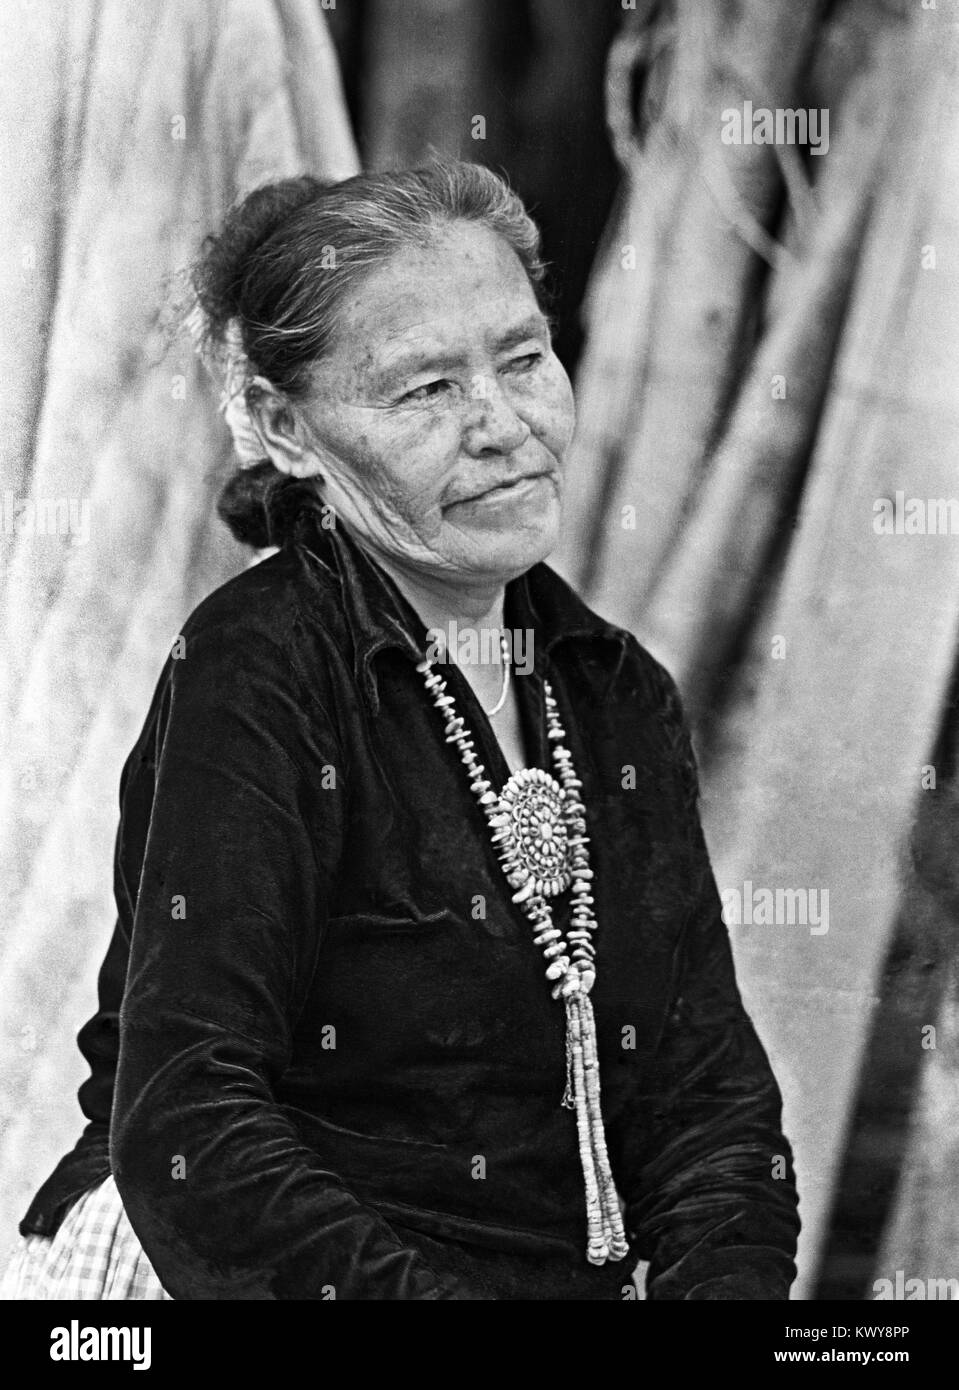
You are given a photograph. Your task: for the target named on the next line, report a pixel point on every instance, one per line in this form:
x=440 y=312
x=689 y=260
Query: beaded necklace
x=538 y=825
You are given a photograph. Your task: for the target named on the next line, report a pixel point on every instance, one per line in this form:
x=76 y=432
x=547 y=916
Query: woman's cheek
x=417 y=461
x=552 y=413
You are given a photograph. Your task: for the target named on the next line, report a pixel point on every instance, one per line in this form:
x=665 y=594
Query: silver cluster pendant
x=538 y=826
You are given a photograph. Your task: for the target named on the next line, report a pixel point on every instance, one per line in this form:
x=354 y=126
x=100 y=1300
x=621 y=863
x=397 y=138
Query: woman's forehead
x=463 y=259
x=466 y=284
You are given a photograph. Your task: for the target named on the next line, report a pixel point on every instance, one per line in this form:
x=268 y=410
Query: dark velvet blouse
x=326 y=1062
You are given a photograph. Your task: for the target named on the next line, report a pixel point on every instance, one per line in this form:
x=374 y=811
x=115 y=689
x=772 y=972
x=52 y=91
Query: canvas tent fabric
x=128 y=131
x=724 y=483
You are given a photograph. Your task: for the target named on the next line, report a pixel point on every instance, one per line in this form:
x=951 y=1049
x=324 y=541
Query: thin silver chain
x=507 y=666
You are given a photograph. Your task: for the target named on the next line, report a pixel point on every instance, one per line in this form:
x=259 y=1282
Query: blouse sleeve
x=708 y=1184
x=243 y=846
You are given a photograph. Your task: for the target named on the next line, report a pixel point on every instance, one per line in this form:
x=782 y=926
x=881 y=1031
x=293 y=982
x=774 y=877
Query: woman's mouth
x=513 y=492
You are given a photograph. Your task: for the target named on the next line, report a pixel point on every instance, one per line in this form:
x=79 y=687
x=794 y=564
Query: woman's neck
x=448 y=605
x=464 y=622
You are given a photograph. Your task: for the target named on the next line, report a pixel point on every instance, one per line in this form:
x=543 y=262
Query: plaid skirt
x=94 y=1254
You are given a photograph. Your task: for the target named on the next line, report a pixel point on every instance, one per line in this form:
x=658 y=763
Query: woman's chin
x=511 y=531
x=511 y=551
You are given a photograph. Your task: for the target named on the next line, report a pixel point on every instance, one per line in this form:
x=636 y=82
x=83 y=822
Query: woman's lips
x=517 y=490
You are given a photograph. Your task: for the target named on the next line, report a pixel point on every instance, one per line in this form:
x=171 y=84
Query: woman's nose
x=493 y=425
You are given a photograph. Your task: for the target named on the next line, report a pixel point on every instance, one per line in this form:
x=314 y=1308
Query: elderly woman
x=420 y=987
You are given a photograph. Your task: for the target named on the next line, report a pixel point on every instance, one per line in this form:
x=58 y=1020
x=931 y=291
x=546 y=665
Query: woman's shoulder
x=618 y=652
x=251 y=638
x=264 y=607
x=237 y=670
x=261 y=599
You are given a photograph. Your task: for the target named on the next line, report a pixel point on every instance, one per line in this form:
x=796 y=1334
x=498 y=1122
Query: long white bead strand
x=538 y=827
x=612 y=1217
x=597 y=1246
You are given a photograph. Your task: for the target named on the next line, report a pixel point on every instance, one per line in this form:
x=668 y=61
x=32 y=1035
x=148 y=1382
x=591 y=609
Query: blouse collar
x=379 y=617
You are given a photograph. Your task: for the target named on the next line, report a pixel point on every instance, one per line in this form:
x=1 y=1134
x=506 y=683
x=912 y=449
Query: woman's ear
x=279 y=430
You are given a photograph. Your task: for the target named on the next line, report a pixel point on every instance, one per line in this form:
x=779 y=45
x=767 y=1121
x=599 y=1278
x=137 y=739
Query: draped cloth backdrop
x=772 y=344
x=128 y=129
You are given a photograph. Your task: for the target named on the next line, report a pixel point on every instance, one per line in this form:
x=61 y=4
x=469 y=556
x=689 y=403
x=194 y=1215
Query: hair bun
x=242 y=503
x=263 y=507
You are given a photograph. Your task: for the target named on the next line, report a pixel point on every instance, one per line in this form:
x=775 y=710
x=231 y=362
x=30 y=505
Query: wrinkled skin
x=441 y=384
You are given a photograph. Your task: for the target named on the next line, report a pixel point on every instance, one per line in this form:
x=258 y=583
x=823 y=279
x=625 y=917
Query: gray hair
x=287 y=256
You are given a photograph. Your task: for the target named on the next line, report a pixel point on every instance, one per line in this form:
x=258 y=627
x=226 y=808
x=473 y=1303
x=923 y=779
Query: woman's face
x=440 y=418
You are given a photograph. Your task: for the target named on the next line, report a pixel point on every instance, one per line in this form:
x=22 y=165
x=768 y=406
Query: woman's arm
x=709 y=1185
x=243 y=847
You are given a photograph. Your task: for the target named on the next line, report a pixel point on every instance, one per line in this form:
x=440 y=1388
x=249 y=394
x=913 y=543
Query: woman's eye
x=525 y=362
x=427 y=392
